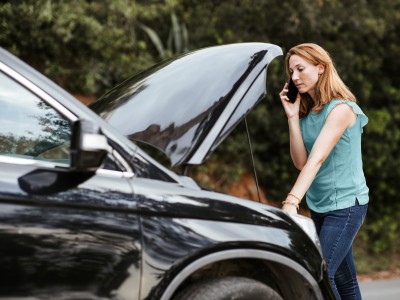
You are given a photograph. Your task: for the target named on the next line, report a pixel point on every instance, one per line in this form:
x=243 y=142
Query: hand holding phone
x=292 y=91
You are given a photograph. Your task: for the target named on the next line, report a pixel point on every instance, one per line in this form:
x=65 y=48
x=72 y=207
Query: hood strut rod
x=252 y=160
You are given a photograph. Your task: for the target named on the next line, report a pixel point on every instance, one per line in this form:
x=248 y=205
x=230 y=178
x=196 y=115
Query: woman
x=325 y=127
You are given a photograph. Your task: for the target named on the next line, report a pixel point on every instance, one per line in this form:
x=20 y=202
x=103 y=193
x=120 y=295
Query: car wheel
x=232 y=288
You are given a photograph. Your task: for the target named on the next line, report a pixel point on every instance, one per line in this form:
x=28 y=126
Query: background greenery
x=88 y=46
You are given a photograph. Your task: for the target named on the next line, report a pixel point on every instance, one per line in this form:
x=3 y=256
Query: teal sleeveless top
x=340 y=182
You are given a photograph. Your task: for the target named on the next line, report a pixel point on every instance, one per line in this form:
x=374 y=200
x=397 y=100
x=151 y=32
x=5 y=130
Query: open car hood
x=186 y=106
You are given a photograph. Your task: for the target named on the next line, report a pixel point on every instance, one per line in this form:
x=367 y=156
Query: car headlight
x=308 y=227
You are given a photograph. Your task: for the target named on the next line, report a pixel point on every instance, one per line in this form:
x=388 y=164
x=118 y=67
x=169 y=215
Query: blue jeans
x=337 y=230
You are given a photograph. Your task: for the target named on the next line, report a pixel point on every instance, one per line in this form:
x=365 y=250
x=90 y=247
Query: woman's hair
x=329 y=85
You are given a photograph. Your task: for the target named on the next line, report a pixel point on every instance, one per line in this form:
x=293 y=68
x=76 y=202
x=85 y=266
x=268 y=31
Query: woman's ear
x=321 y=69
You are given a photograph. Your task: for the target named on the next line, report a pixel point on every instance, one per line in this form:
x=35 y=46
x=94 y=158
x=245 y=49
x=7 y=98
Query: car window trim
x=114 y=173
x=24 y=161
x=52 y=165
x=127 y=167
x=14 y=75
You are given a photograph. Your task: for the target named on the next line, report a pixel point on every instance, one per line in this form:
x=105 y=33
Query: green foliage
x=88 y=46
x=177 y=40
x=381 y=146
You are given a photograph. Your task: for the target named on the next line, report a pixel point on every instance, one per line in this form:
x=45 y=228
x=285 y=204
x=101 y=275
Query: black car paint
x=131 y=234
x=83 y=240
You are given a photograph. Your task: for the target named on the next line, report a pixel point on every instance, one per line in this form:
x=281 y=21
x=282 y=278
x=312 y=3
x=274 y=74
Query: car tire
x=232 y=288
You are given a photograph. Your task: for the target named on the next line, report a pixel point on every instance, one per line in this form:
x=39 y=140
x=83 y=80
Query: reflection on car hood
x=186 y=106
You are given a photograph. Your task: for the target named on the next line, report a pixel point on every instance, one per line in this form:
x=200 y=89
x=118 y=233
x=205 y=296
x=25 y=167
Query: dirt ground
x=380 y=275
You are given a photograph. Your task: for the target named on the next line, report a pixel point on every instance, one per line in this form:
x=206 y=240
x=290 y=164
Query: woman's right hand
x=291 y=109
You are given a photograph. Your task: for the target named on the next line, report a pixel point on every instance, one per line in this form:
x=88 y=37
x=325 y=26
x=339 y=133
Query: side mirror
x=88 y=151
x=88 y=147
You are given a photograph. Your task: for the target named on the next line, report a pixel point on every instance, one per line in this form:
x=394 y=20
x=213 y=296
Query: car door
x=77 y=243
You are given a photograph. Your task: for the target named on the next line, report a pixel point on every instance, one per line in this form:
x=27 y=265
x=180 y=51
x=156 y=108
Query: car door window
x=29 y=127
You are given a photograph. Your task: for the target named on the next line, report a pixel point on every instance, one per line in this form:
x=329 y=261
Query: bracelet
x=291 y=202
x=294 y=196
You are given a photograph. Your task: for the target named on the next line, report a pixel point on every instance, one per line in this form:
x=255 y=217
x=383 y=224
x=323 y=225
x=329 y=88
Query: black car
x=86 y=214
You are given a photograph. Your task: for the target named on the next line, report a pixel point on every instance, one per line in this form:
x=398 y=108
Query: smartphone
x=293 y=91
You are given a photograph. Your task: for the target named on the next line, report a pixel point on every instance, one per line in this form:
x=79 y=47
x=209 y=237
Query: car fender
x=235 y=254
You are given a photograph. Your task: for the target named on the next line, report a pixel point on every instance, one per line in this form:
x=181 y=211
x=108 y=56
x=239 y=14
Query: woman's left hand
x=291 y=209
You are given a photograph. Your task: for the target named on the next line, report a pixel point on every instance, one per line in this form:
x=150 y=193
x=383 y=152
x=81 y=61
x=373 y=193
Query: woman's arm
x=340 y=118
x=298 y=151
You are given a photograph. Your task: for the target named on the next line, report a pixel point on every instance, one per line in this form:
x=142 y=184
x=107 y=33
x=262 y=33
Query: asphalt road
x=381 y=289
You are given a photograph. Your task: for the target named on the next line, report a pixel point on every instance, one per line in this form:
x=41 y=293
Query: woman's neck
x=312 y=95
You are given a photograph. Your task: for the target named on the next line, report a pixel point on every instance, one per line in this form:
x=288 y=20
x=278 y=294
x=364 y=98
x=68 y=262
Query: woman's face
x=304 y=75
